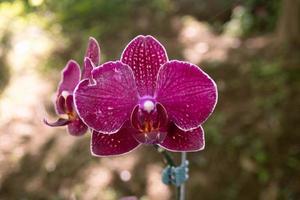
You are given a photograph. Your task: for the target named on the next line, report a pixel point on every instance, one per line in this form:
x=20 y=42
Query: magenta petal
x=58 y=122
x=145 y=55
x=93 y=51
x=178 y=140
x=113 y=144
x=107 y=102
x=188 y=94
x=88 y=66
x=70 y=77
x=77 y=127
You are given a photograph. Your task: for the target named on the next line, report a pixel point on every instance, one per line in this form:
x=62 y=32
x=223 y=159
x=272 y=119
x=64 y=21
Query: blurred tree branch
x=289 y=23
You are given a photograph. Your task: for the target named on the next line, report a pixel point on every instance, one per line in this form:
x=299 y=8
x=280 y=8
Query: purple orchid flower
x=71 y=76
x=145 y=99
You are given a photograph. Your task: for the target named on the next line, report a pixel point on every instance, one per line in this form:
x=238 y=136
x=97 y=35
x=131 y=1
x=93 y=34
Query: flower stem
x=182 y=186
x=167 y=157
x=169 y=161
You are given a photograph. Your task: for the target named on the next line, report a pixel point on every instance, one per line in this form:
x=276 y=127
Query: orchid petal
x=113 y=144
x=188 y=94
x=69 y=79
x=93 y=51
x=178 y=140
x=145 y=55
x=87 y=68
x=107 y=102
x=77 y=127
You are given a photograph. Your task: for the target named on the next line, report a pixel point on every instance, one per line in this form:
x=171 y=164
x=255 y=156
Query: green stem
x=167 y=157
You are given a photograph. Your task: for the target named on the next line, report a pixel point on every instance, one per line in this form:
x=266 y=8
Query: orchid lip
x=149 y=119
x=153 y=137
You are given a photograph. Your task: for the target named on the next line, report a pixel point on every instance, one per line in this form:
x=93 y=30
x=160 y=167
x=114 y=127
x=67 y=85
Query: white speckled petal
x=188 y=94
x=114 y=144
x=178 y=140
x=107 y=102
x=145 y=55
x=77 y=127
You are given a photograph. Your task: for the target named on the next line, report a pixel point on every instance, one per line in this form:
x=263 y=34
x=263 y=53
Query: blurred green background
x=250 y=47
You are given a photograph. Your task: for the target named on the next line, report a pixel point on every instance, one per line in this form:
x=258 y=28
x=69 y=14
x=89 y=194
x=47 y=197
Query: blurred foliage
x=253 y=16
x=249 y=133
x=241 y=22
x=124 y=19
x=264 y=14
x=115 y=21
